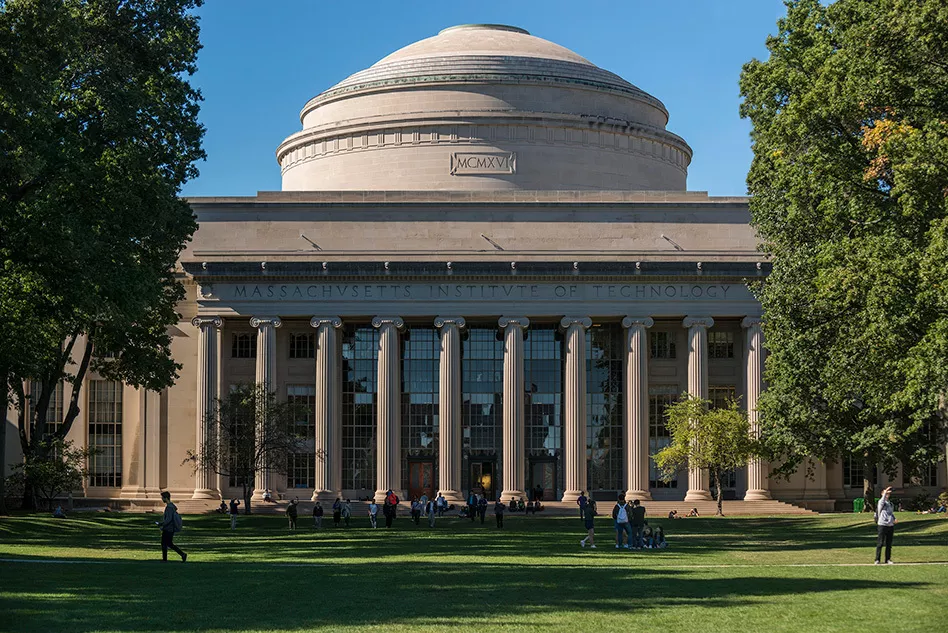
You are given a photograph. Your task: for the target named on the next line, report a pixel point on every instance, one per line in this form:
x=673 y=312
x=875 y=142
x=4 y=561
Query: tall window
x=482 y=396
x=543 y=382
x=243 y=345
x=660 y=397
x=105 y=433
x=720 y=344
x=604 y=448
x=54 y=412
x=421 y=349
x=360 y=346
x=854 y=474
x=719 y=395
x=301 y=469
x=662 y=344
x=302 y=345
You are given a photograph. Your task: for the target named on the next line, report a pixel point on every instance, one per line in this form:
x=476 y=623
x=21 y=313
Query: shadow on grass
x=174 y=597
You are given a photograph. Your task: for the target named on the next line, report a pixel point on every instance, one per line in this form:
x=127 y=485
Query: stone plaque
x=475 y=163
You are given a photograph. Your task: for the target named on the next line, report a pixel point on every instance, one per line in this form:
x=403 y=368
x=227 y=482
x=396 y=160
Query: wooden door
x=420 y=479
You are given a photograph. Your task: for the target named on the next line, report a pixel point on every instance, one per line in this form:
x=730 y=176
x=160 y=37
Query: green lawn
x=733 y=574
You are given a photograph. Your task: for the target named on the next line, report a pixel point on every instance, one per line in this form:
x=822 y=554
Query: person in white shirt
x=885 y=522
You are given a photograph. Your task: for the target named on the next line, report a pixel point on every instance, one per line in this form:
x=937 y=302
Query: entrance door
x=420 y=479
x=543 y=473
x=482 y=479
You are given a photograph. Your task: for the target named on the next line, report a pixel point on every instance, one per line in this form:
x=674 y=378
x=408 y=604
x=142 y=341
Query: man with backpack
x=170 y=523
x=620 y=514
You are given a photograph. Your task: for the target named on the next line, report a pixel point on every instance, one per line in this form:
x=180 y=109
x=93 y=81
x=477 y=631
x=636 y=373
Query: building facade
x=484 y=272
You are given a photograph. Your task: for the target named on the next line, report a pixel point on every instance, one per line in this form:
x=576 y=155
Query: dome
x=481 y=107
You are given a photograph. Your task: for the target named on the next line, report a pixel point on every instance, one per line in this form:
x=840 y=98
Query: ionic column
x=388 y=411
x=575 y=400
x=327 y=411
x=758 y=485
x=208 y=370
x=266 y=378
x=636 y=407
x=513 y=406
x=449 y=409
x=698 y=481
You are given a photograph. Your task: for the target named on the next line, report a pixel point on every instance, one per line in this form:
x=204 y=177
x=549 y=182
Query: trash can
x=858 y=504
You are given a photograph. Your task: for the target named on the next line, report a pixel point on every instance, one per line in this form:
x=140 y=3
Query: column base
x=325 y=496
x=258 y=495
x=757 y=495
x=453 y=496
x=698 y=495
x=507 y=495
x=136 y=492
x=205 y=493
x=571 y=496
x=641 y=495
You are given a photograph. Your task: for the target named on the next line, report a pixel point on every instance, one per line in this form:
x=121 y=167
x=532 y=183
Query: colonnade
x=328 y=413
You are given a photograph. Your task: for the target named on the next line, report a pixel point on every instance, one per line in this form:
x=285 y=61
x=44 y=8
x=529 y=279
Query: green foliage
x=59 y=471
x=100 y=131
x=249 y=431
x=849 y=186
x=718 y=440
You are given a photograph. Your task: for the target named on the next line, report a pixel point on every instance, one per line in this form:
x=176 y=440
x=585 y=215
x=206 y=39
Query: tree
x=849 y=186
x=100 y=131
x=249 y=432
x=716 y=439
x=61 y=470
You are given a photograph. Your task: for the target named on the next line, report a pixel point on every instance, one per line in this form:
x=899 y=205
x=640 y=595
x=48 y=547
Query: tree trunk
x=720 y=491
x=4 y=405
x=868 y=487
x=247 y=493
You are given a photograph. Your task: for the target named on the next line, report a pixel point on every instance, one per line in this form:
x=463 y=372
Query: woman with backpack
x=620 y=514
x=589 y=515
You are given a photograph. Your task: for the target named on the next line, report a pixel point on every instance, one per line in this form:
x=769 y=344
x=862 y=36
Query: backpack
x=623 y=516
x=177 y=523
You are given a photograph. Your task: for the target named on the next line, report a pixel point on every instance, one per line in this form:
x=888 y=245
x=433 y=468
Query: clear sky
x=262 y=60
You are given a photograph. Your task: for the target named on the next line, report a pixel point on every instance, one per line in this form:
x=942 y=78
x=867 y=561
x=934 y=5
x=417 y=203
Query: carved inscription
x=472 y=163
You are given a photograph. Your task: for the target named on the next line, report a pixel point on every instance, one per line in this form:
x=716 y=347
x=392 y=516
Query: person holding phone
x=885 y=522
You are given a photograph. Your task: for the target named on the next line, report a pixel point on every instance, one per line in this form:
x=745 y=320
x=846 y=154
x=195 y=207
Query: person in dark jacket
x=169 y=524
x=472 y=506
x=637 y=520
x=336 y=511
x=292 y=512
x=234 y=505
x=482 y=508
x=318 y=515
x=499 y=509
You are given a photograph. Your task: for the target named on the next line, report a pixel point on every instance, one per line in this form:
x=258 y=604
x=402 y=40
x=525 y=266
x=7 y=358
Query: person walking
x=482 y=507
x=885 y=522
x=170 y=524
x=472 y=506
x=442 y=505
x=346 y=511
x=390 y=508
x=292 y=512
x=432 y=509
x=637 y=520
x=620 y=514
x=589 y=515
x=581 y=502
x=234 y=505
x=499 y=508
x=415 y=510
x=373 y=514
x=318 y=515
x=336 y=511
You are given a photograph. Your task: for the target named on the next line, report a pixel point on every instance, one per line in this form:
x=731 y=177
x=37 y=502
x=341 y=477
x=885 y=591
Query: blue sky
x=263 y=60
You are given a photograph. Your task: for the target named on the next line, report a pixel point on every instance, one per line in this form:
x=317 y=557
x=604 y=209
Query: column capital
x=521 y=322
x=637 y=321
x=318 y=321
x=691 y=321
x=441 y=321
x=751 y=322
x=265 y=321
x=204 y=321
x=568 y=321
x=379 y=321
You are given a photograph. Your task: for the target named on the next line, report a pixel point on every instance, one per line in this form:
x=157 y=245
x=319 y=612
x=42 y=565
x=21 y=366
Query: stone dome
x=484 y=107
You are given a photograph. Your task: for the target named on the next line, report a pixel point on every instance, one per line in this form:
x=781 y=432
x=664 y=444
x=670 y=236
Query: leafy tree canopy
x=849 y=186
x=98 y=132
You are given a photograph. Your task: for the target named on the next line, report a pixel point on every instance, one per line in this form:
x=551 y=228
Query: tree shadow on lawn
x=175 y=597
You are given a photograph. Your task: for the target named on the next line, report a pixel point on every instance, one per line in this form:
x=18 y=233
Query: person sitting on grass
x=693 y=513
x=648 y=538
x=513 y=505
x=658 y=538
x=529 y=508
x=520 y=504
x=222 y=508
x=673 y=514
x=58 y=513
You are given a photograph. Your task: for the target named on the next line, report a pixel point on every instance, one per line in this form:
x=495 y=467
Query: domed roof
x=484 y=39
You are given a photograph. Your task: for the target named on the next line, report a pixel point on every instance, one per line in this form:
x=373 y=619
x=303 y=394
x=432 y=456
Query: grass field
x=102 y=573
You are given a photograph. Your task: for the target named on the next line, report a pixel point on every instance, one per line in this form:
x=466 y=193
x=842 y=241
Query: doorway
x=421 y=479
x=543 y=474
x=483 y=479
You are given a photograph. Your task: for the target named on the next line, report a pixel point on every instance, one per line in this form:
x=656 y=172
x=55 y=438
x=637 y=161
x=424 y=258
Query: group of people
x=631 y=526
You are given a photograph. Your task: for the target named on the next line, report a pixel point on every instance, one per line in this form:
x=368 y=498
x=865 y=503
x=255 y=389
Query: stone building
x=484 y=271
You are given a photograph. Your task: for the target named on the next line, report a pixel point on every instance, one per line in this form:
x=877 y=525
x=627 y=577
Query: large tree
x=849 y=186
x=98 y=132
